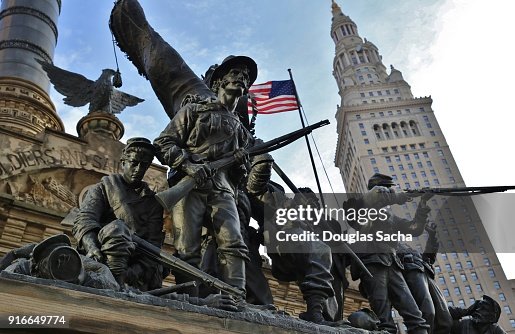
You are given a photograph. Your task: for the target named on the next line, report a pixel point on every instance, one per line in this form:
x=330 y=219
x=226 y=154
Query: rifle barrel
x=177 y=264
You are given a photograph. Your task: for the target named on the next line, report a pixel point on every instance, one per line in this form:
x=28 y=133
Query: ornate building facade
x=383 y=128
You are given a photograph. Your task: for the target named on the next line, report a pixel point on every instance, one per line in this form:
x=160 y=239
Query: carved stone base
x=26 y=108
x=100 y=123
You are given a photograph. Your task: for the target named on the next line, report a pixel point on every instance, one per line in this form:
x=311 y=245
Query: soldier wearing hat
x=115 y=208
x=387 y=287
x=204 y=130
x=483 y=314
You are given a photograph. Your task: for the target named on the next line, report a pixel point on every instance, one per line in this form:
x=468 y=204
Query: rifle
x=169 y=289
x=463 y=191
x=177 y=264
x=168 y=198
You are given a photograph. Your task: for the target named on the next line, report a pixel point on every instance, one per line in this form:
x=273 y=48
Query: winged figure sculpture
x=79 y=90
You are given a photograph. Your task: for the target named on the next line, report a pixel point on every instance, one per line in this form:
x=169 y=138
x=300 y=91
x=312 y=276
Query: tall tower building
x=383 y=128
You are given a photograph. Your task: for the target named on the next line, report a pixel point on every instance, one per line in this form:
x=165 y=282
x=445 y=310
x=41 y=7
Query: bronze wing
x=120 y=100
x=77 y=88
x=171 y=78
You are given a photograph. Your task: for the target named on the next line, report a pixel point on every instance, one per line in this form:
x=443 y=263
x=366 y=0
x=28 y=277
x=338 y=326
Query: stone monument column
x=28 y=30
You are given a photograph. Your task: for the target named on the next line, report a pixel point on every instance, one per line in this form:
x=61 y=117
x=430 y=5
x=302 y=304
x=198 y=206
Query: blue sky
x=457 y=51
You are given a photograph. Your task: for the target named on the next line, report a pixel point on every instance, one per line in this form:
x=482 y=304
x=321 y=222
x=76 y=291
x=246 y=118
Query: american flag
x=272 y=97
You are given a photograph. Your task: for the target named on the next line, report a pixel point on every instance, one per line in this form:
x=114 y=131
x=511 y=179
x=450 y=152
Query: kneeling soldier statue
x=114 y=209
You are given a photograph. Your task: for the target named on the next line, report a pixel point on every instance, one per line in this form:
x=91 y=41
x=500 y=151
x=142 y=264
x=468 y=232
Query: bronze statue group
x=211 y=222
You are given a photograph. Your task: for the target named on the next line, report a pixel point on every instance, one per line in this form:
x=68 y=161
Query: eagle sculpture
x=79 y=90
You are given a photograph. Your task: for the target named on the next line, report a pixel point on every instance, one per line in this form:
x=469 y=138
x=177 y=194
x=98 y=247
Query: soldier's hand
x=91 y=244
x=200 y=172
x=242 y=156
x=431 y=229
x=223 y=302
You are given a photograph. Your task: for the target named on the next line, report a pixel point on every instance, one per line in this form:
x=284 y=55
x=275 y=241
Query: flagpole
x=307 y=141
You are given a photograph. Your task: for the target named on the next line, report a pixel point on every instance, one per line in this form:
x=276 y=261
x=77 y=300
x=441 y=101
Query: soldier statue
x=387 y=287
x=483 y=317
x=203 y=128
x=114 y=209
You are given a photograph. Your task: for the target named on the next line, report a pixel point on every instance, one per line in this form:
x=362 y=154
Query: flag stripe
x=273 y=97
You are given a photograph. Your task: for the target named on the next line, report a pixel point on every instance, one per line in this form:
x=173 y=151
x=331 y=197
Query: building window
x=396 y=91
x=473 y=275
x=384 y=149
x=406 y=156
x=376 y=170
x=441 y=280
x=452 y=278
x=414 y=175
x=362 y=94
x=462 y=276
x=436 y=182
x=397 y=157
x=461 y=303
x=468 y=290
x=479 y=288
x=438 y=269
x=410 y=165
x=388 y=159
x=469 y=264
x=491 y=273
x=370 y=152
x=486 y=261
x=457 y=291
x=373 y=161
x=507 y=309
x=502 y=297
x=388 y=92
x=446 y=292
x=404 y=177
x=425 y=154
x=363 y=133
x=366 y=141
x=444 y=256
x=361 y=125
x=416 y=156
x=371 y=93
x=381 y=113
x=423 y=173
x=459 y=266
x=391 y=169
x=497 y=286
x=429 y=164
x=358 y=116
x=448 y=267
x=417 y=184
x=432 y=133
x=450 y=303
x=512 y=323
x=401 y=167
